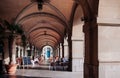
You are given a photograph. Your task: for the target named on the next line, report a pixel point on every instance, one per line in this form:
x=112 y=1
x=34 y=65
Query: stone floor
x=42 y=72
x=30 y=73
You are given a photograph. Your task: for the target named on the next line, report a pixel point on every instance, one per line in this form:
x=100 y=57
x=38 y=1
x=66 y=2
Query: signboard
x=26 y=61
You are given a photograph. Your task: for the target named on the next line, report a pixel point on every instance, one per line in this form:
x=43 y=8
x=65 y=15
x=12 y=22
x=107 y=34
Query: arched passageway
x=46 y=22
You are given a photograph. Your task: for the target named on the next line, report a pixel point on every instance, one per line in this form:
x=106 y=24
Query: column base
x=70 y=66
x=2 y=67
x=90 y=71
x=77 y=64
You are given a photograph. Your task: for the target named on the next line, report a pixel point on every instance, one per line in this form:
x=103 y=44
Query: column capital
x=89 y=19
x=90 y=25
x=87 y=28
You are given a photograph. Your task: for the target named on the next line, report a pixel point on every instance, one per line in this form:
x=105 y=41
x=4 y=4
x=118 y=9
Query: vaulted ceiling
x=45 y=22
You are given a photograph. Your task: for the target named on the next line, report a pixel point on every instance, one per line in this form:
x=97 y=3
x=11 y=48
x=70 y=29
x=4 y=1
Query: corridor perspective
x=59 y=39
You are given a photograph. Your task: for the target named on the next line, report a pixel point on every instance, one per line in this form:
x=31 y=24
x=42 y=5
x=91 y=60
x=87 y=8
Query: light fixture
x=40 y=3
x=40 y=6
x=45 y=32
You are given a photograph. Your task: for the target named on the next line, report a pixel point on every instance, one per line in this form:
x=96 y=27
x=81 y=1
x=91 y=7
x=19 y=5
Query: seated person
x=19 y=61
x=35 y=61
x=64 y=61
x=41 y=59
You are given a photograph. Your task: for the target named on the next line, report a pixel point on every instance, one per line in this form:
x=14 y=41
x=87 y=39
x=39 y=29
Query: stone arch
x=77 y=41
x=90 y=29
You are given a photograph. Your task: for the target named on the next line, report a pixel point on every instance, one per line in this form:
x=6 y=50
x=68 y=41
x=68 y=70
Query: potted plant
x=14 y=30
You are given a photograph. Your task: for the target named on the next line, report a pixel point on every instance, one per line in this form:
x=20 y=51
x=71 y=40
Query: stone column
x=70 y=53
x=22 y=52
x=18 y=51
x=55 y=52
x=2 y=66
x=60 y=50
x=25 y=51
x=24 y=47
x=77 y=57
x=63 y=50
x=14 y=52
x=66 y=53
x=91 y=64
x=6 y=51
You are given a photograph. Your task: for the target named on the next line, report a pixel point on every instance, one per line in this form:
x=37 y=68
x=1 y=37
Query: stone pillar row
x=91 y=64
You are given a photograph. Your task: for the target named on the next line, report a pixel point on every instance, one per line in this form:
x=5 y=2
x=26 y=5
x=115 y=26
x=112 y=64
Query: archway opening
x=47 y=52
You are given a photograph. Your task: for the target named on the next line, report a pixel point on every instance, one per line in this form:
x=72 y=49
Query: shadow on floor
x=43 y=67
x=36 y=68
x=16 y=76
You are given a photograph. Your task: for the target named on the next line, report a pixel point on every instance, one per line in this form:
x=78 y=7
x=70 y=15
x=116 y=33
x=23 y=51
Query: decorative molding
x=39 y=35
x=49 y=28
x=78 y=58
x=35 y=27
x=42 y=14
x=109 y=24
x=109 y=61
x=77 y=40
